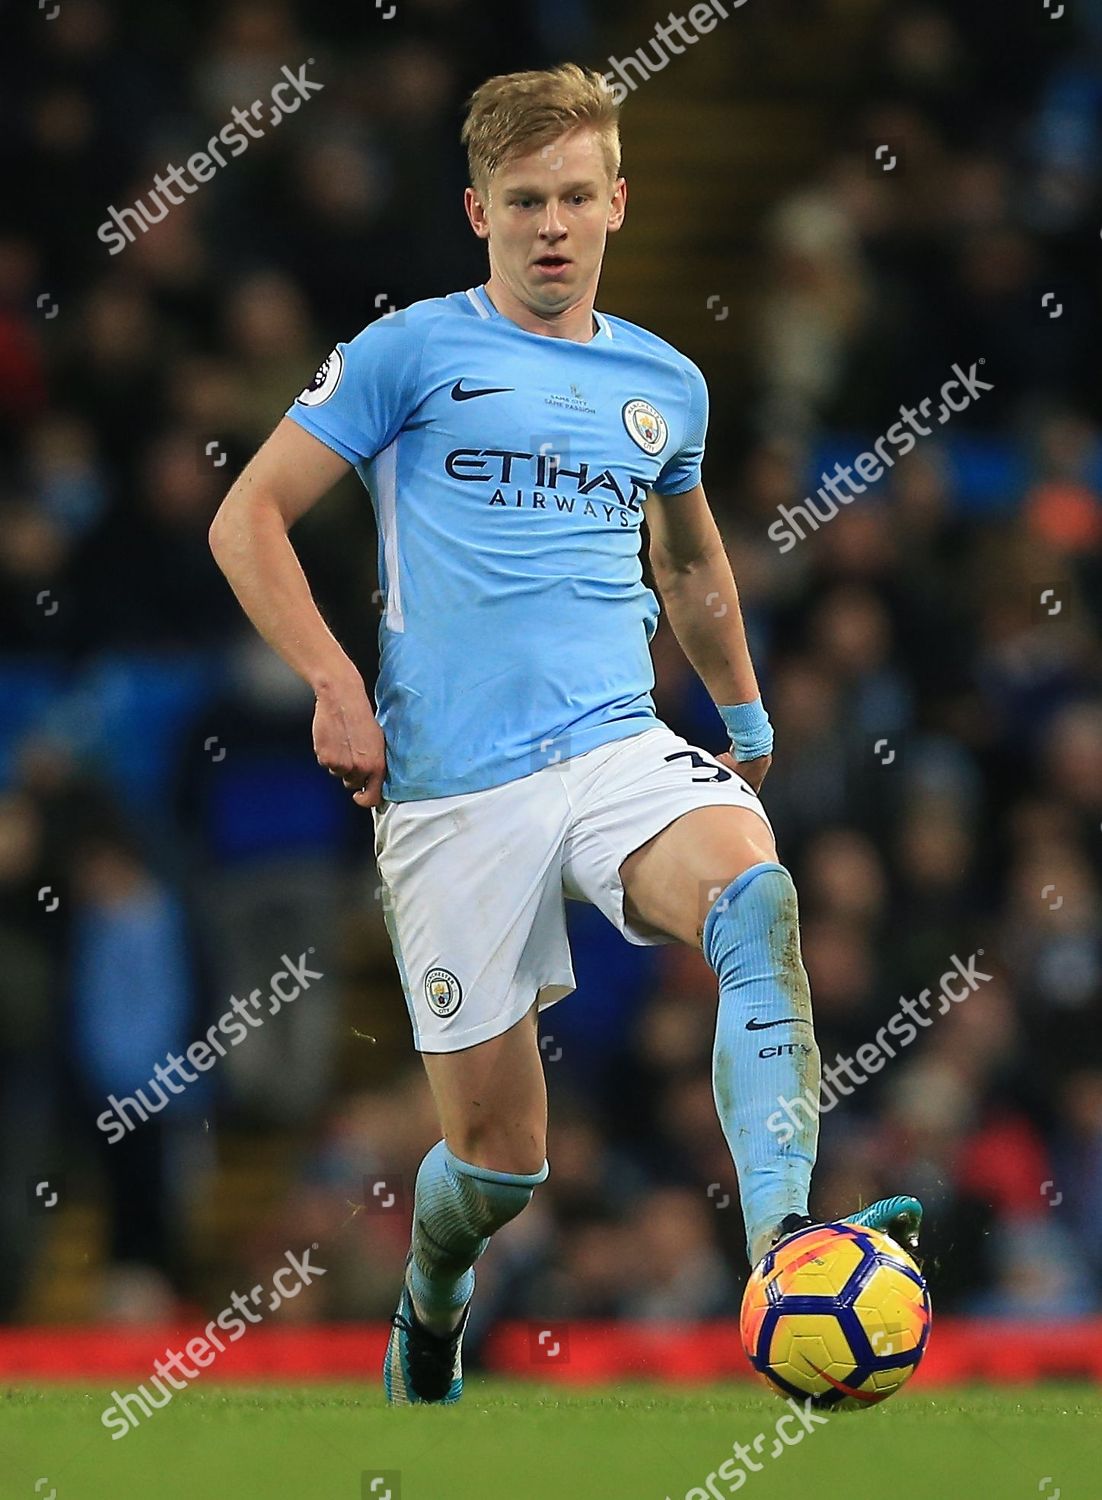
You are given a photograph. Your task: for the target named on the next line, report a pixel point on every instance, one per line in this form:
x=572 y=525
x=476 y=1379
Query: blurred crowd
x=930 y=658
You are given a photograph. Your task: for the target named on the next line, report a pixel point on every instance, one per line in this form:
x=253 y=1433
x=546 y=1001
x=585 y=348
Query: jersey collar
x=480 y=301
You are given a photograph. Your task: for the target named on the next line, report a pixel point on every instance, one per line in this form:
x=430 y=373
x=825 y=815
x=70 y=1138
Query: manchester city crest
x=647 y=426
x=443 y=992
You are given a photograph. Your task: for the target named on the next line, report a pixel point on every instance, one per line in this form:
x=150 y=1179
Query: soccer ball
x=837 y=1313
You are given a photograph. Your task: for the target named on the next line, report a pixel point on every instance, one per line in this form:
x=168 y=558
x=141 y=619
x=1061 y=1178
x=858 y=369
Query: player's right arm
x=248 y=537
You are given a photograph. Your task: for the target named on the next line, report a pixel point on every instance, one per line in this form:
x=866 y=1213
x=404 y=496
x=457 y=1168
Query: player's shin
x=765 y=1067
x=457 y=1207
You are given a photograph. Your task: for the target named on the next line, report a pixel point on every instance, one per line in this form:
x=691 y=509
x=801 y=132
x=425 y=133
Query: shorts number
x=701 y=763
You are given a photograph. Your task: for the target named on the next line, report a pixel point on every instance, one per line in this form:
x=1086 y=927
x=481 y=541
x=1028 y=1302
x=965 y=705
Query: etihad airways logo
x=532 y=475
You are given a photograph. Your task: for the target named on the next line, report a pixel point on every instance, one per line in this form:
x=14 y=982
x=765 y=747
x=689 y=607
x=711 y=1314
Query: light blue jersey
x=508 y=472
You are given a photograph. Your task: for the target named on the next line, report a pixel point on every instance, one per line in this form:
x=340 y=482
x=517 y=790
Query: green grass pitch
x=505 y=1440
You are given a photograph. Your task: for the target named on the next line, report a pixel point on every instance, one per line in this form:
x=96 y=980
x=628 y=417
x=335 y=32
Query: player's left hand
x=753 y=771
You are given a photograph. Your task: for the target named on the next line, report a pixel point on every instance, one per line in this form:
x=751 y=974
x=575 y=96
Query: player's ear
x=618 y=206
x=476 y=213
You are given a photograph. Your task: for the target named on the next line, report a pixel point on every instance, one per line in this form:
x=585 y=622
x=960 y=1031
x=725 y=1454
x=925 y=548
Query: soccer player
x=513 y=439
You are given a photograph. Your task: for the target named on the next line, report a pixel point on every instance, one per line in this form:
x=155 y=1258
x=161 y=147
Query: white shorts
x=474 y=886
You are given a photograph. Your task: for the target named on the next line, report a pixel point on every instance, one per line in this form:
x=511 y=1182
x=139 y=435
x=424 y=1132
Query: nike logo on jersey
x=459 y=394
x=755 y=1025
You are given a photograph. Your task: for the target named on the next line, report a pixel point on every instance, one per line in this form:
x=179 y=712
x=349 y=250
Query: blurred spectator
x=132 y=1006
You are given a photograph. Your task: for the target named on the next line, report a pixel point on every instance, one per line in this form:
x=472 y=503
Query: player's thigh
x=660 y=829
x=492 y=1099
x=672 y=881
x=472 y=897
x=473 y=902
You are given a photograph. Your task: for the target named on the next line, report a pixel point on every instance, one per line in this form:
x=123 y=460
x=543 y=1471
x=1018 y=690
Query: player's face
x=548 y=217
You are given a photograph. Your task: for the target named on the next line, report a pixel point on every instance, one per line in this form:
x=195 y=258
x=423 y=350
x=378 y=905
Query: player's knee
x=764 y=896
x=502 y=1195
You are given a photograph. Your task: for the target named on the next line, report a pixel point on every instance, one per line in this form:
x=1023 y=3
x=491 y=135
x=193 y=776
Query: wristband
x=750 y=730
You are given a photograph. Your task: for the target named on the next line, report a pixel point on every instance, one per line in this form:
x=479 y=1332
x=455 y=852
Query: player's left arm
x=697 y=586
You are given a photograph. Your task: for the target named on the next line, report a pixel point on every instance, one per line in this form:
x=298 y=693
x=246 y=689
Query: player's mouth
x=553 y=265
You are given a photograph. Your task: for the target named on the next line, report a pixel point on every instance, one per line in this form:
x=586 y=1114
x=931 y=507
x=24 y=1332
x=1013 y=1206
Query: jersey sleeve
x=681 y=471
x=364 y=391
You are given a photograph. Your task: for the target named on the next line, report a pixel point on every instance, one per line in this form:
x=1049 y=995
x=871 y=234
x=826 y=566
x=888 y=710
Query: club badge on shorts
x=325 y=382
x=646 y=426
x=443 y=992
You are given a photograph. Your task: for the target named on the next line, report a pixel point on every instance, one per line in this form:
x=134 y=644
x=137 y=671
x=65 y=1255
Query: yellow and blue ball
x=838 y=1313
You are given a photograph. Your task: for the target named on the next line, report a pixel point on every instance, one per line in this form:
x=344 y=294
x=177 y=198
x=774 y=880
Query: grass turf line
x=508 y=1439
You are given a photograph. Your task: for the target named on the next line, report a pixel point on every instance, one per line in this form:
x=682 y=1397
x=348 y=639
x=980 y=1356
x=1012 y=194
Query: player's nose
x=552 y=227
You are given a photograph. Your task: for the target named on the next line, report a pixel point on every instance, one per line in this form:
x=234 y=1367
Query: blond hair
x=516 y=113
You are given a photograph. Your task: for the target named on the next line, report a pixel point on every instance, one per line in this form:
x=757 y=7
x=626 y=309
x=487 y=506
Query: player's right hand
x=349 y=743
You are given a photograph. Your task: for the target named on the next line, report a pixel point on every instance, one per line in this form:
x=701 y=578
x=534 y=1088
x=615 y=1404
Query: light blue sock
x=765 y=1044
x=456 y=1208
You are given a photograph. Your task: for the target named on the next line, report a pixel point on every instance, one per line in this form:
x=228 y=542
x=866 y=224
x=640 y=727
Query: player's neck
x=576 y=323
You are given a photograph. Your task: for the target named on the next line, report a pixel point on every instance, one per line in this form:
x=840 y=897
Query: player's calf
x=457 y=1208
x=765 y=1045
